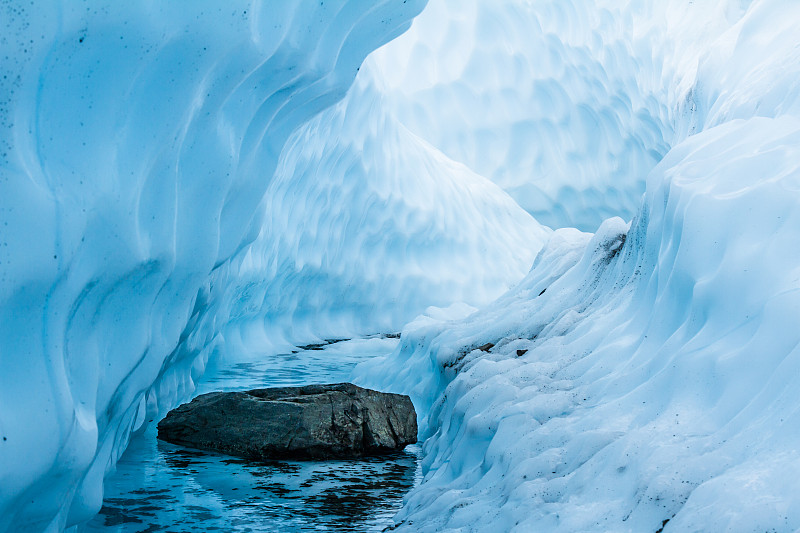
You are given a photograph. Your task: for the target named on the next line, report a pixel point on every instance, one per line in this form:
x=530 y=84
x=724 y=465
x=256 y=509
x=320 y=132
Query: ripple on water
x=167 y=488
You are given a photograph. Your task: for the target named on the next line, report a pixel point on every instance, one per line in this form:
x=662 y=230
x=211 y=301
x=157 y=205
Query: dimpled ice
x=644 y=378
x=186 y=181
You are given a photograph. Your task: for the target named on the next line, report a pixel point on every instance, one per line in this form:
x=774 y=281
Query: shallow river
x=167 y=488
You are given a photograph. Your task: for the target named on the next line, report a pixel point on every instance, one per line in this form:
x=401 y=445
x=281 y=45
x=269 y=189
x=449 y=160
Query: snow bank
x=643 y=377
x=636 y=376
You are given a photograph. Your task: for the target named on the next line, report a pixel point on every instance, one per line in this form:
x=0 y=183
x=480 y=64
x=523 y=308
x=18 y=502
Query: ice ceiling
x=180 y=182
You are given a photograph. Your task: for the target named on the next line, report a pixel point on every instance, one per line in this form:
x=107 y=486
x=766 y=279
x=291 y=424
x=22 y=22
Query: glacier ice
x=641 y=374
x=365 y=225
x=545 y=98
x=643 y=377
x=137 y=142
x=567 y=105
x=185 y=182
x=178 y=184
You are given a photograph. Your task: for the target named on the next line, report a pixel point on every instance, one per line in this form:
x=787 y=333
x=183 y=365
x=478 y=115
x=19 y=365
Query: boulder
x=311 y=422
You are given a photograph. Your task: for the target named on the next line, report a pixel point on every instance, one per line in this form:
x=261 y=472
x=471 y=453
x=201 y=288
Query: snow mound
x=636 y=377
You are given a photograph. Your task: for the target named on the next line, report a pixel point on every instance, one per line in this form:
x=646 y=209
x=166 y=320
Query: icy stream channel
x=162 y=487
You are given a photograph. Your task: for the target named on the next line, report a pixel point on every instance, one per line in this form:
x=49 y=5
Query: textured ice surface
x=364 y=226
x=643 y=377
x=546 y=98
x=137 y=141
x=165 y=173
x=568 y=104
x=636 y=376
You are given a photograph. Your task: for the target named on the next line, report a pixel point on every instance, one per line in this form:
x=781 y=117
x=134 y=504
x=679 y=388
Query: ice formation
x=643 y=378
x=364 y=226
x=137 y=143
x=568 y=104
x=168 y=194
x=179 y=182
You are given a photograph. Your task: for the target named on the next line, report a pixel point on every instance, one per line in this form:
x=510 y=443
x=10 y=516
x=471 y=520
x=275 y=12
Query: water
x=167 y=488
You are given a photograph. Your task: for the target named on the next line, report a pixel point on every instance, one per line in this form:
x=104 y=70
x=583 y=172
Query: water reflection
x=163 y=487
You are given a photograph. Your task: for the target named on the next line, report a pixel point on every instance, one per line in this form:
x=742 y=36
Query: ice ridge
x=641 y=378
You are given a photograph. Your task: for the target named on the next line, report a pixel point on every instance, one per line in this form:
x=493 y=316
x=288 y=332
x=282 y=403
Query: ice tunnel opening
x=218 y=183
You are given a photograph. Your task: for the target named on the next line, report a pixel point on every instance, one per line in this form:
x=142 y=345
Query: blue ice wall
x=137 y=140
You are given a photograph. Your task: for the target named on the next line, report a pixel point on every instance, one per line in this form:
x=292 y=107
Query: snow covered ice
x=643 y=377
x=636 y=376
x=187 y=184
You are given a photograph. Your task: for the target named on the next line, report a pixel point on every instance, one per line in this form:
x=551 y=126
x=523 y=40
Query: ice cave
x=569 y=230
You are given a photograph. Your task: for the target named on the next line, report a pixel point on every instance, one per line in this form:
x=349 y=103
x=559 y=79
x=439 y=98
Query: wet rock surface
x=310 y=422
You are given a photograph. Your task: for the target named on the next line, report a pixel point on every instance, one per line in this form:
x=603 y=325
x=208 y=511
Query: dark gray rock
x=310 y=422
